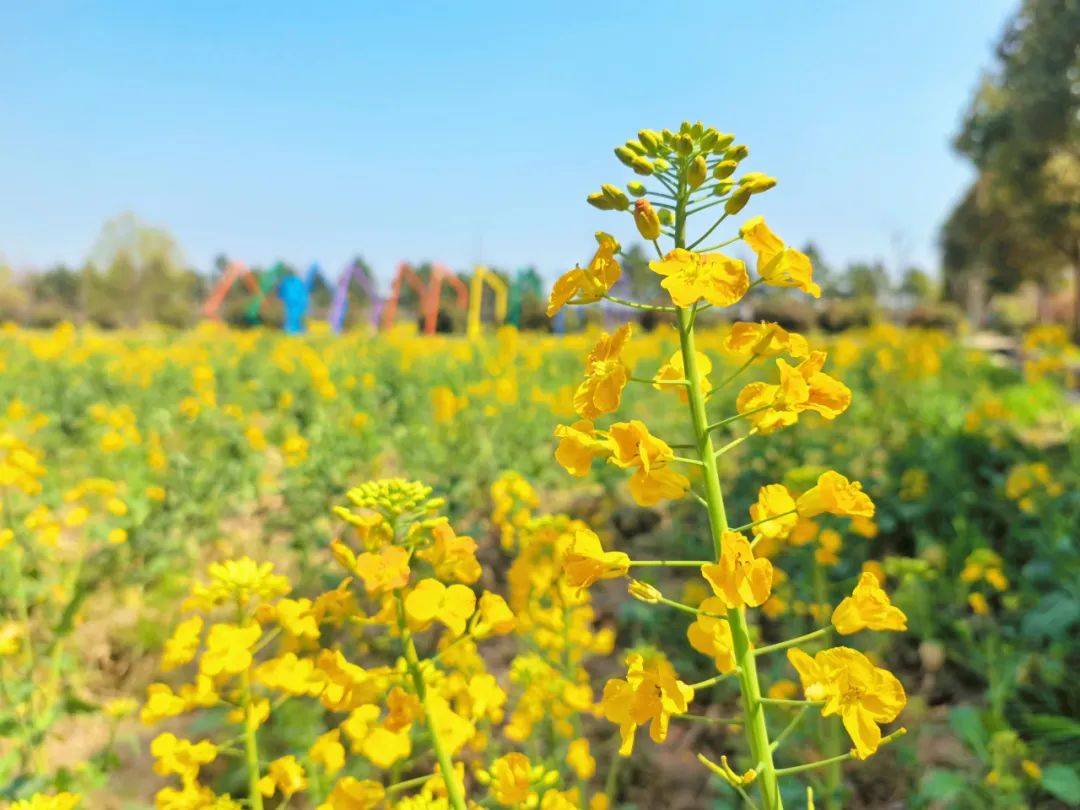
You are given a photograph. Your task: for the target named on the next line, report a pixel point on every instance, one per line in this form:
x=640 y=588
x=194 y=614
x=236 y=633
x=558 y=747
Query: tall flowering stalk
x=692 y=172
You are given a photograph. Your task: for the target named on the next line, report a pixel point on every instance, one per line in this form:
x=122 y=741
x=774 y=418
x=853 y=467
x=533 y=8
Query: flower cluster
x=691 y=171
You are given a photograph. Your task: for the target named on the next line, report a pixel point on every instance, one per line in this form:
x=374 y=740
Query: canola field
x=683 y=561
x=143 y=473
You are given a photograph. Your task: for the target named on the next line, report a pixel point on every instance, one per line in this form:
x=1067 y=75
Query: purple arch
x=340 y=305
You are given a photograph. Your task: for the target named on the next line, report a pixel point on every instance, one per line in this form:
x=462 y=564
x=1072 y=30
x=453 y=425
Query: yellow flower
x=347 y=685
x=778 y=265
x=712 y=636
x=739 y=579
x=829 y=544
x=689 y=277
x=431 y=600
x=579 y=759
x=774 y=512
x=606 y=375
x=285 y=775
x=494 y=617
x=453 y=555
x=868 y=607
x=634 y=447
x=382 y=571
x=801 y=388
x=851 y=686
x=445 y=404
x=291 y=674
x=783 y=689
x=1032 y=769
x=578 y=446
x=385 y=747
x=10 y=638
x=651 y=693
x=297 y=618
x=352 y=794
x=402 y=709
x=586 y=561
x=978 y=603
x=673 y=370
x=511 y=779
x=228 y=649
x=240 y=580
x=161 y=703
x=183 y=644
x=329 y=752
x=590 y=283
x=837 y=496
x=181 y=757
x=764 y=340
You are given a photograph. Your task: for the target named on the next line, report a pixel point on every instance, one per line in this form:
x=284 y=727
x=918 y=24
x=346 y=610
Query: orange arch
x=233 y=271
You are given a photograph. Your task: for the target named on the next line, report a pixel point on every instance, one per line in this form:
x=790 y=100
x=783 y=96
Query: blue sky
x=470 y=131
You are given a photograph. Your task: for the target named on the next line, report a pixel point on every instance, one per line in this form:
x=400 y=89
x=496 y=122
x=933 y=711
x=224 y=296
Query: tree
x=1021 y=218
x=137 y=274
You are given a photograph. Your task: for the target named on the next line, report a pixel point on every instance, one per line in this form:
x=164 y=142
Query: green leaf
x=942 y=785
x=1062 y=782
x=968 y=726
x=1053 y=617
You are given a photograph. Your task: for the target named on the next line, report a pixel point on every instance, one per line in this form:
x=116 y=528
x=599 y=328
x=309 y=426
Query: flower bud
x=666 y=217
x=697 y=130
x=725 y=168
x=661 y=165
x=646 y=219
x=697 y=172
x=650 y=139
x=615 y=196
x=598 y=200
x=722 y=187
x=625 y=155
x=644 y=592
x=636 y=188
x=641 y=166
x=709 y=139
x=684 y=144
x=636 y=147
x=669 y=138
x=723 y=141
x=737 y=152
x=757 y=182
x=737 y=201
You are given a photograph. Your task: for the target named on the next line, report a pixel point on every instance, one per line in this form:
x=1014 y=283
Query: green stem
x=251 y=746
x=412 y=661
x=791 y=642
x=783 y=735
x=786 y=702
x=756 y=729
x=746 y=526
x=900 y=732
x=636 y=305
x=705 y=684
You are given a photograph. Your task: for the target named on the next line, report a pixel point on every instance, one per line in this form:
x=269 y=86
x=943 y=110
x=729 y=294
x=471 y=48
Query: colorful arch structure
x=233 y=272
x=295 y=294
x=482 y=276
x=430 y=295
x=269 y=280
x=340 y=305
x=525 y=282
